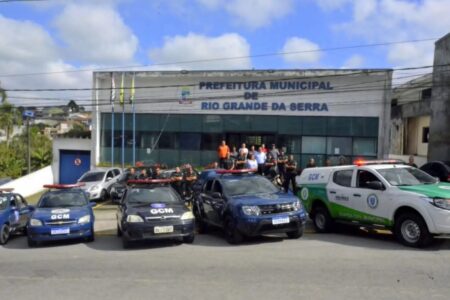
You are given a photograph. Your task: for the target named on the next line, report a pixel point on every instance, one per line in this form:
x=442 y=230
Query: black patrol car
x=151 y=209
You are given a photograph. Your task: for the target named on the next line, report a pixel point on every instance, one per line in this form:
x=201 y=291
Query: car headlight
x=94 y=188
x=442 y=203
x=134 y=219
x=84 y=219
x=251 y=210
x=297 y=205
x=35 y=222
x=187 y=216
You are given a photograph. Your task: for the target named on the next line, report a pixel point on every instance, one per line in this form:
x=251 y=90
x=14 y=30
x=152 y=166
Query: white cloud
x=308 y=51
x=329 y=5
x=195 y=47
x=353 y=62
x=252 y=13
x=96 y=34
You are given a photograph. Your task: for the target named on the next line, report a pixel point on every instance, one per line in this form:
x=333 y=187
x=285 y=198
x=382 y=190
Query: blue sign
x=28 y=114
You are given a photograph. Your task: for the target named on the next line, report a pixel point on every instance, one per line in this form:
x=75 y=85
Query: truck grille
x=276 y=208
x=60 y=222
x=159 y=218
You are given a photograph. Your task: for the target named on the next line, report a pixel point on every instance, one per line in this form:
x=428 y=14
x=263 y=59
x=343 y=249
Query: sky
x=64 y=40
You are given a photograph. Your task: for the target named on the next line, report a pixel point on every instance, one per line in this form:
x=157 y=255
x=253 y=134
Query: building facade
x=181 y=116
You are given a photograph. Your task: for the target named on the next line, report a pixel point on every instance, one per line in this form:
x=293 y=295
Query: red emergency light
x=6 y=190
x=362 y=162
x=148 y=181
x=63 y=186
x=242 y=171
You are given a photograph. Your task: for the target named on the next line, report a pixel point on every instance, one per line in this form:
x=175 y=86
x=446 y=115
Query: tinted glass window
x=3 y=202
x=312 y=144
x=110 y=174
x=364 y=177
x=343 y=177
x=248 y=186
x=151 y=195
x=63 y=199
x=116 y=172
x=92 y=176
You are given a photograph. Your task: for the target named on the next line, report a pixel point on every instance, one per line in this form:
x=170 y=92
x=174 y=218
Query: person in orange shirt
x=222 y=152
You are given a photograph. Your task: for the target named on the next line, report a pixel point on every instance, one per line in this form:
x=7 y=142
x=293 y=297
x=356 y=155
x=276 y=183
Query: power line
x=222 y=58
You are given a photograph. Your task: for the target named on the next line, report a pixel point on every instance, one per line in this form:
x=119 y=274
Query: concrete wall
x=68 y=144
x=32 y=183
x=439 y=146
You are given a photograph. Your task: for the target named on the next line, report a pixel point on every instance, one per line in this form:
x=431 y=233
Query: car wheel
x=296 y=234
x=188 y=239
x=232 y=234
x=4 y=234
x=31 y=243
x=119 y=232
x=202 y=226
x=321 y=219
x=103 y=195
x=412 y=231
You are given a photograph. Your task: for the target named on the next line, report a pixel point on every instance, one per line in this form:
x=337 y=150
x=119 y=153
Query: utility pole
x=28 y=145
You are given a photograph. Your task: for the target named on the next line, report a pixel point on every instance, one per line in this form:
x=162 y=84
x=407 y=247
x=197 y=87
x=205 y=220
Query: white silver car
x=98 y=182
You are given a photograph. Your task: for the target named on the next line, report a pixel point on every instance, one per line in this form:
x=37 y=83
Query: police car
x=150 y=209
x=245 y=204
x=64 y=212
x=14 y=214
x=378 y=194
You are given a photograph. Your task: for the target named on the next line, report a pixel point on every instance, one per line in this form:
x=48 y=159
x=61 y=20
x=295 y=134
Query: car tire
x=321 y=219
x=411 y=230
x=189 y=239
x=296 y=234
x=119 y=232
x=31 y=243
x=4 y=234
x=103 y=195
x=232 y=234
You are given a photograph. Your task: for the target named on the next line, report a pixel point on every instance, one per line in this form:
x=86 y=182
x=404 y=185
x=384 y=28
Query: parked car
x=378 y=195
x=245 y=204
x=151 y=209
x=97 y=183
x=439 y=169
x=62 y=213
x=14 y=214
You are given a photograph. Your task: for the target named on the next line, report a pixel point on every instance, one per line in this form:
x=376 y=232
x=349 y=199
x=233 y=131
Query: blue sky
x=60 y=35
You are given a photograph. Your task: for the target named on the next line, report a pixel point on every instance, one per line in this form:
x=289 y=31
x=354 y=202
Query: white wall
x=31 y=184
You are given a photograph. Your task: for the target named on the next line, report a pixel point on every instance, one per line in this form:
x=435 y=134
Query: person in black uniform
x=229 y=162
x=270 y=167
x=177 y=180
x=291 y=172
x=189 y=178
x=143 y=175
x=157 y=173
x=281 y=162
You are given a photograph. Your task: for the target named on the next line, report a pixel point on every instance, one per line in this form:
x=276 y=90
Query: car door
x=109 y=179
x=371 y=204
x=24 y=210
x=217 y=202
x=207 y=201
x=340 y=195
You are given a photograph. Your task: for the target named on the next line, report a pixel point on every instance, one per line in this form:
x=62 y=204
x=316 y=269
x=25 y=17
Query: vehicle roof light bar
x=149 y=181
x=63 y=186
x=361 y=162
x=6 y=190
x=242 y=171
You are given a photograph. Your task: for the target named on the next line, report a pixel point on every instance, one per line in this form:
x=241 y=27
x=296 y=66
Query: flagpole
x=134 y=120
x=112 y=117
x=123 y=120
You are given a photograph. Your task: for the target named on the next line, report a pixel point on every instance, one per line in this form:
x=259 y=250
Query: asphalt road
x=351 y=264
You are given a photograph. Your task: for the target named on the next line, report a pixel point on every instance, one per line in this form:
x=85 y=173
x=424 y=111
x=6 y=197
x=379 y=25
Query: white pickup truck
x=403 y=199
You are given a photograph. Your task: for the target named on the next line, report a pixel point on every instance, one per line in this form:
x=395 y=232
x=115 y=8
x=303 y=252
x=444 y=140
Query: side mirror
x=216 y=195
x=375 y=185
x=92 y=204
x=108 y=179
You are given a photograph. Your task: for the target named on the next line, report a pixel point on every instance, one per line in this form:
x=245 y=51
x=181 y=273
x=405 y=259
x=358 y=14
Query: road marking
x=103 y=204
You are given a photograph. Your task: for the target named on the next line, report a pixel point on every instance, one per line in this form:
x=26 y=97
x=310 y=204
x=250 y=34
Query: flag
x=132 y=89
x=113 y=88
x=122 y=91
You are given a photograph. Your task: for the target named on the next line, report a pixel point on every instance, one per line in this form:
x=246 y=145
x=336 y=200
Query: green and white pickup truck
x=403 y=199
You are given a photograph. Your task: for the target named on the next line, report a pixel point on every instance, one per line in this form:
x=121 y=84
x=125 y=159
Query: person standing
x=252 y=163
x=260 y=159
x=264 y=149
x=222 y=152
x=234 y=153
x=229 y=163
x=411 y=162
x=342 y=160
x=177 y=180
x=241 y=162
x=281 y=162
x=243 y=150
x=274 y=151
x=270 y=167
x=311 y=163
x=291 y=172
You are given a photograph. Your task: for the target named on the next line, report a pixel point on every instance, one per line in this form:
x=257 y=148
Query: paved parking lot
x=351 y=264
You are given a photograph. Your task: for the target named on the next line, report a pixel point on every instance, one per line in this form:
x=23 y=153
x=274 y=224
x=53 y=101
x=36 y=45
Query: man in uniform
x=229 y=163
x=157 y=173
x=189 y=177
x=270 y=167
x=241 y=162
x=281 y=162
x=291 y=172
x=177 y=178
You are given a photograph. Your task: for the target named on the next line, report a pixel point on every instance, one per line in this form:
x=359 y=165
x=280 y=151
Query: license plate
x=280 y=220
x=163 y=229
x=60 y=231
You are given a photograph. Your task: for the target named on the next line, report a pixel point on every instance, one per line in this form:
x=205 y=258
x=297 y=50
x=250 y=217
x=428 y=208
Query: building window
x=394 y=102
x=425 y=134
x=339 y=146
x=426 y=94
x=314 y=144
x=364 y=147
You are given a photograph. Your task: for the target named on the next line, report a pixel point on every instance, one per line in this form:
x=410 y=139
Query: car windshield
x=406 y=176
x=92 y=176
x=63 y=199
x=248 y=186
x=152 y=195
x=3 y=202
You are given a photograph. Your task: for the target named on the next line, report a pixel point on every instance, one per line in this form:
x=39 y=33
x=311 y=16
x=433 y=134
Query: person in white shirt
x=243 y=150
x=260 y=159
x=252 y=163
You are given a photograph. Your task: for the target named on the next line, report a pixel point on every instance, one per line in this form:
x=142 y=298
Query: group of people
x=273 y=162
